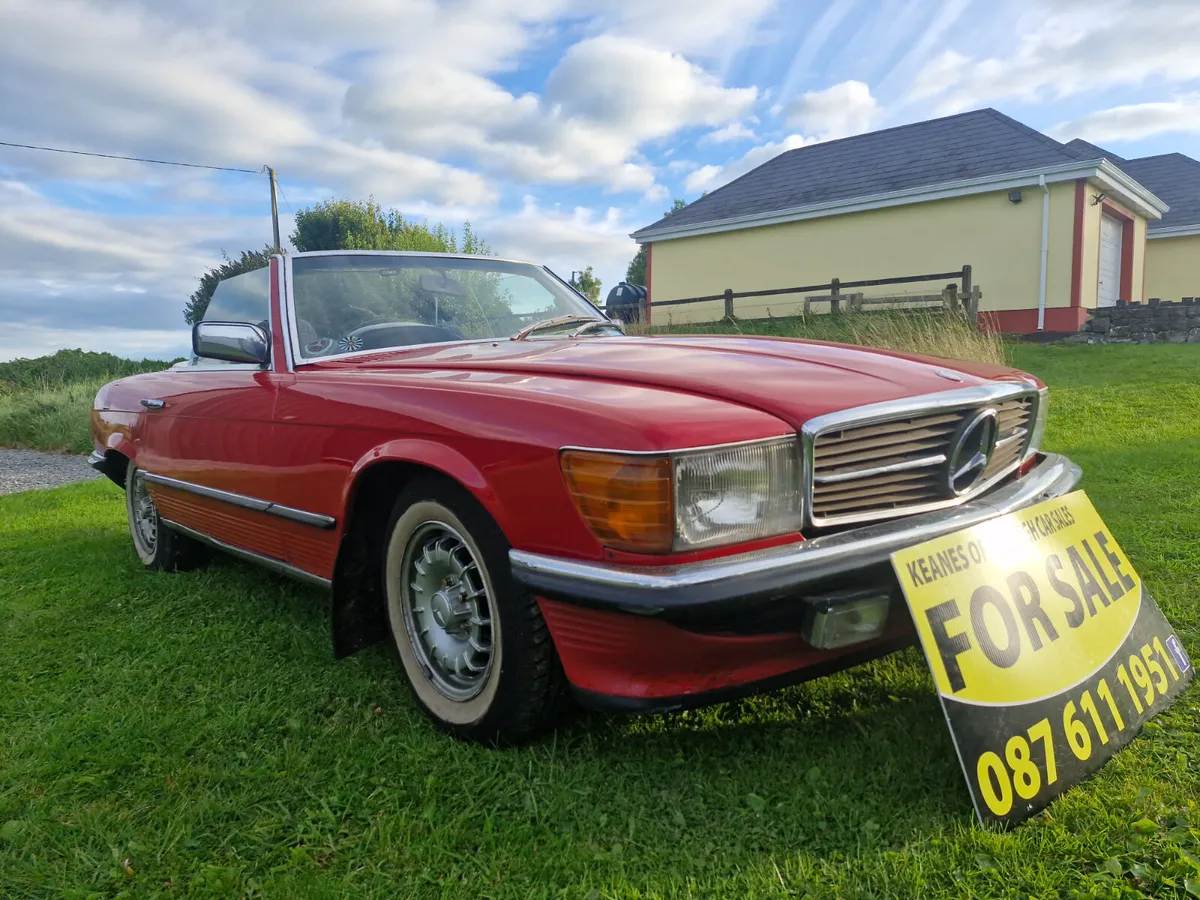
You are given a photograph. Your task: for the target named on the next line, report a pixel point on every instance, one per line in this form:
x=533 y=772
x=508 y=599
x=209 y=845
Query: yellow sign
x=1021 y=607
x=1047 y=651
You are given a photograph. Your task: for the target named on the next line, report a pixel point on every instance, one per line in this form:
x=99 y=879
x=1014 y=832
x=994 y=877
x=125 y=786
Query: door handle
x=154 y=404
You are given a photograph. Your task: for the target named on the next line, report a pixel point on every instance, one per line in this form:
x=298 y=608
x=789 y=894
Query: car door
x=207 y=439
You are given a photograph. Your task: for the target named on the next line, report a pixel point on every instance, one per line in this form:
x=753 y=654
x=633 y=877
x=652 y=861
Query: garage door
x=1110 y=262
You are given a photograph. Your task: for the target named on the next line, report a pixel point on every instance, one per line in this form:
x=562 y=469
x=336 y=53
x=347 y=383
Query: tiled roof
x=968 y=145
x=1084 y=150
x=1174 y=179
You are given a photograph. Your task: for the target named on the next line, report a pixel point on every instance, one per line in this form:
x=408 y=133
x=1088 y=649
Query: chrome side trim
x=268 y=562
x=923 y=463
x=872 y=413
x=779 y=572
x=97 y=461
x=317 y=520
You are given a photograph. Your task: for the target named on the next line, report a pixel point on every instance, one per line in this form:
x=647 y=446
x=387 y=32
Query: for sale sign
x=1047 y=651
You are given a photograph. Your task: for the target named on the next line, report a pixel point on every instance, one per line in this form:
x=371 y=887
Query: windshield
x=353 y=302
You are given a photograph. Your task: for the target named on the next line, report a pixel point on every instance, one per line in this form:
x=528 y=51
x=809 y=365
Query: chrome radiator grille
x=881 y=469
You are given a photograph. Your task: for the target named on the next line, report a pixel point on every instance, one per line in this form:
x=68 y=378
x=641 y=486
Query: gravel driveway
x=25 y=470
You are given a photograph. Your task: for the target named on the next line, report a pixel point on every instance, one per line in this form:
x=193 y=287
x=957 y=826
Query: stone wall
x=1172 y=323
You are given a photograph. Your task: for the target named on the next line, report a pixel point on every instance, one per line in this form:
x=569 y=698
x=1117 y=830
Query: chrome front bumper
x=764 y=576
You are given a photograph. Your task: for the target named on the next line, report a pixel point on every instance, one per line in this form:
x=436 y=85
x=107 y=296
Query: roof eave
x=1128 y=191
x=1174 y=231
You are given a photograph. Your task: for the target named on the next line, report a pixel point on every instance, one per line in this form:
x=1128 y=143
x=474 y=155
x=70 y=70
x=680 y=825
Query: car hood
x=794 y=380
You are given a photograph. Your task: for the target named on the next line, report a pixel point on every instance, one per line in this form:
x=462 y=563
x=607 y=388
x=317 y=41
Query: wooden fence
x=959 y=295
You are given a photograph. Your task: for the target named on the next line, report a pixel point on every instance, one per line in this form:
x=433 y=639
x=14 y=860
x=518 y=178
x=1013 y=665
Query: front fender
x=431 y=455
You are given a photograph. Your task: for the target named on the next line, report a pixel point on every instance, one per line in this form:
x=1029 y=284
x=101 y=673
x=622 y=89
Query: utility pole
x=274 y=208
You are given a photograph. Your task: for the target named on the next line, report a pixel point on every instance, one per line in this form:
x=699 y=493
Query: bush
x=50 y=416
x=69 y=366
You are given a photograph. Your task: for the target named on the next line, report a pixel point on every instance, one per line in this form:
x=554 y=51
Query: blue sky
x=555 y=126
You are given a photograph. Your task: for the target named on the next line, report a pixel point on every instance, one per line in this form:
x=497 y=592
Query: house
x=1049 y=229
x=1172 y=242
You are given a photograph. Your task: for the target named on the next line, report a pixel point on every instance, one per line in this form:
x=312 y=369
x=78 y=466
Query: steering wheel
x=397 y=333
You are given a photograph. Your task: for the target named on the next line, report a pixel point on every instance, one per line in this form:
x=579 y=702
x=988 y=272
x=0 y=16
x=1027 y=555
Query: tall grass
x=49 y=416
x=45 y=403
x=931 y=333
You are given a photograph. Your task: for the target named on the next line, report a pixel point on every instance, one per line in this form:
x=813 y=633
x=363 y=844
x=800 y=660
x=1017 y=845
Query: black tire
x=522 y=689
x=157 y=545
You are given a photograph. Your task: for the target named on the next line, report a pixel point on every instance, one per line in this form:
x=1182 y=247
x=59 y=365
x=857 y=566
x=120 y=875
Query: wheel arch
x=113 y=464
x=359 y=617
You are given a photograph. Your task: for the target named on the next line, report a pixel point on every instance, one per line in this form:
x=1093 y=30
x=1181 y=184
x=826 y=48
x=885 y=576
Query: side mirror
x=238 y=342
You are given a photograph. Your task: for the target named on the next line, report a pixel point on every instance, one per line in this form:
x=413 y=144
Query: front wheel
x=157 y=546
x=473 y=645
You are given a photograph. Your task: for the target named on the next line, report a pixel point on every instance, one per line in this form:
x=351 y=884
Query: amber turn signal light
x=625 y=499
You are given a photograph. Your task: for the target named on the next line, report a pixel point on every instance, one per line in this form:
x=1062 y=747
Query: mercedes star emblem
x=971 y=451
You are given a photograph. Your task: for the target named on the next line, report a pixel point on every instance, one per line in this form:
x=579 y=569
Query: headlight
x=648 y=503
x=1039 y=423
x=736 y=494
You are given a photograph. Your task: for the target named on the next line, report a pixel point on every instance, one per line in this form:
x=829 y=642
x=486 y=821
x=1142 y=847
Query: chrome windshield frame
x=291 y=320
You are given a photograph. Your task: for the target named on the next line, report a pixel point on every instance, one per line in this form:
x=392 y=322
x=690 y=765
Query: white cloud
x=81 y=75
x=710 y=28
x=734 y=131
x=565 y=240
x=1133 y=122
x=655 y=193
x=836 y=112
x=604 y=99
x=72 y=273
x=1070 y=48
x=709 y=178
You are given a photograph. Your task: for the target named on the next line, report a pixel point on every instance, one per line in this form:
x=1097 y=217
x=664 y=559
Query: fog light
x=841 y=618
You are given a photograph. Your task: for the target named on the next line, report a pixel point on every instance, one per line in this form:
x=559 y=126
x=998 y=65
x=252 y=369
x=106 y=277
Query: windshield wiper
x=554 y=323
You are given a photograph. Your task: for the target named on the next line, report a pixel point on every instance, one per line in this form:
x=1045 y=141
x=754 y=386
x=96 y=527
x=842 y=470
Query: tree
x=365 y=225
x=636 y=273
x=342 y=225
x=197 y=305
x=587 y=284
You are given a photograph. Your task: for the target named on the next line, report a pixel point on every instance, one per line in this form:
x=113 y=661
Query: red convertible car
x=531 y=505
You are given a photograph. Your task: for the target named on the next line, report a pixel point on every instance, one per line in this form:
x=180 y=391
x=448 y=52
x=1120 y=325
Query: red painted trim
x=278 y=351
x=649 y=265
x=623 y=655
x=1024 y=321
x=1126 y=220
x=1077 y=243
x=1143 y=295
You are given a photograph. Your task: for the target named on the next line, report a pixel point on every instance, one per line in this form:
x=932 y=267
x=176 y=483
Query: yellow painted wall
x=1000 y=240
x=1173 y=267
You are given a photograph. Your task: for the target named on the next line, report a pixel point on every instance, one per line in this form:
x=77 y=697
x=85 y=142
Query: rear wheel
x=157 y=545
x=473 y=645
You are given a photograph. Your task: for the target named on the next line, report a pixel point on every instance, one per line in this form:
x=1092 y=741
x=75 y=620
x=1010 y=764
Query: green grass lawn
x=191 y=735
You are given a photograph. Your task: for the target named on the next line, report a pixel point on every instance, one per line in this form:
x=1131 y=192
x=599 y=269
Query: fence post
x=835 y=288
x=950 y=297
x=728 y=303
x=973 y=306
x=966 y=280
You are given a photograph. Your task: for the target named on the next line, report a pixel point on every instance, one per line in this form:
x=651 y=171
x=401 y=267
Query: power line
x=157 y=162
x=285 y=199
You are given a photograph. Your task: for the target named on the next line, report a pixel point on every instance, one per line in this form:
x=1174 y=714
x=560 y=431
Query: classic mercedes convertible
x=530 y=505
